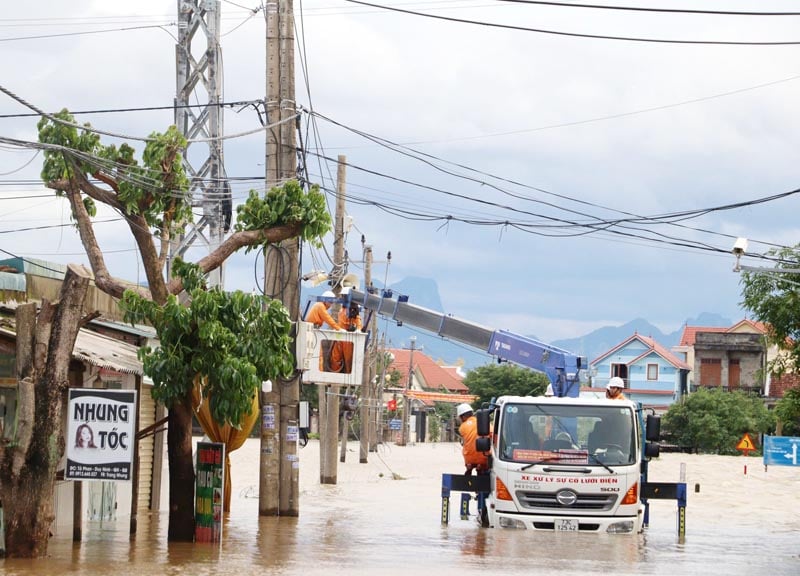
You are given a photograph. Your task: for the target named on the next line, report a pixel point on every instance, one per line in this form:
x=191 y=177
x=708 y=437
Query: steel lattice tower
x=198 y=34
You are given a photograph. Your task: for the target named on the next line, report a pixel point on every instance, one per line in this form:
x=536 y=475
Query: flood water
x=383 y=517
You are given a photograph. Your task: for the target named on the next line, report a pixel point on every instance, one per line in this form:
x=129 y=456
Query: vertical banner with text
x=209 y=491
x=100 y=434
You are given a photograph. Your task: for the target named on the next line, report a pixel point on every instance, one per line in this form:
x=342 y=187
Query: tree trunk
x=28 y=463
x=181 y=472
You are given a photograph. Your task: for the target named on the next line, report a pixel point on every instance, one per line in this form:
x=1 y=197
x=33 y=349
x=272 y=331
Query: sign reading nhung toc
x=100 y=434
x=209 y=490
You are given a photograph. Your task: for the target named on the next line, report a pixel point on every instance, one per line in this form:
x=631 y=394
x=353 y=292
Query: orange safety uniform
x=318 y=315
x=342 y=352
x=469 y=433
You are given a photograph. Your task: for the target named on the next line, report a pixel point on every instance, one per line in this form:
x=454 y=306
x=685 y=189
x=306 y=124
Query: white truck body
x=565 y=464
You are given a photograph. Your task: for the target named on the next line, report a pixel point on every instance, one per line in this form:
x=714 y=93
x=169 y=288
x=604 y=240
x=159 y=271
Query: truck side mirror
x=653 y=428
x=483 y=444
x=482 y=416
x=652 y=450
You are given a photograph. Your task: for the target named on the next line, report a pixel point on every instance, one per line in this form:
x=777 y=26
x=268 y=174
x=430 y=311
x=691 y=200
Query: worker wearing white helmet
x=469 y=433
x=318 y=313
x=614 y=389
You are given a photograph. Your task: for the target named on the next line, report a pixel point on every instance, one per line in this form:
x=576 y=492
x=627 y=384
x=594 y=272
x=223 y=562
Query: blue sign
x=782 y=450
x=395 y=424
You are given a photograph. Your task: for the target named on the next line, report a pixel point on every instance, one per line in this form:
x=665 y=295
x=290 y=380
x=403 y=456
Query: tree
x=28 y=461
x=712 y=420
x=152 y=199
x=787 y=410
x=773 y=296
x=492 y=380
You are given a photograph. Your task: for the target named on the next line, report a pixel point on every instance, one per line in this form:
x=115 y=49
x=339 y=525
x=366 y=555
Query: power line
x=240 y=103
x=63 y=34
x=576 y=34
x=657 y=10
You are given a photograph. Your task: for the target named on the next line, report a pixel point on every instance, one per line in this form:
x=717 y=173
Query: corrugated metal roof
x=106 y=352
x=98 y=350
x=12 y=282
x=136 y=329
x=37 y=267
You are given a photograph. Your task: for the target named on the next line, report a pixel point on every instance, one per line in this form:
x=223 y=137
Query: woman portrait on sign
x=84 y=437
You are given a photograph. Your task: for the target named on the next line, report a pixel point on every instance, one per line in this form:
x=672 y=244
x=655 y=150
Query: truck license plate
x=566 y=525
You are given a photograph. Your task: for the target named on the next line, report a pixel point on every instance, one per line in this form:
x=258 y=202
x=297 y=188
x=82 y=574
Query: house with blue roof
x=652 y=374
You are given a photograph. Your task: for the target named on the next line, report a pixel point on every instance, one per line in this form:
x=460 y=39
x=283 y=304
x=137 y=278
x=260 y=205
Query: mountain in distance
x=425 y=292
x=601 y=340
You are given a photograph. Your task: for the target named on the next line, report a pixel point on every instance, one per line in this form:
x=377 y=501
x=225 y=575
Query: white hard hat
x=328 y=294
x=549 y=391
x=615 y=382
x=462 y=409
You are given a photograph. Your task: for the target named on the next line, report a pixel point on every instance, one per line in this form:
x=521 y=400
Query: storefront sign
x=100 y=434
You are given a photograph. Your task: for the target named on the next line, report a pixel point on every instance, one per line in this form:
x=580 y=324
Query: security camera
x=740 y=246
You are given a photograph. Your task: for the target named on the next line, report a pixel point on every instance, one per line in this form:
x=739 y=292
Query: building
x=652 y=374
x=104 y=356
x=424 y=383
x=733 y=358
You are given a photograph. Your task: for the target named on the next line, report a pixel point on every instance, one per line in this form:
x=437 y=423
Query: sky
x=550 y=183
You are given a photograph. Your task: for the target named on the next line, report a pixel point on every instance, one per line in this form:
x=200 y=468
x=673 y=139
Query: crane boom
x=564 y=369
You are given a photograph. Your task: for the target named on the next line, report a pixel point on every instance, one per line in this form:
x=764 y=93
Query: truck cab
x=564 y=464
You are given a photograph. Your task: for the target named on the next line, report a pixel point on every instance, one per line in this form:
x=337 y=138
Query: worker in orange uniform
x=468 y=430
x=318 y=316
x=342 y=352
x=614 y=389
x=473 y=459
x=318 y=313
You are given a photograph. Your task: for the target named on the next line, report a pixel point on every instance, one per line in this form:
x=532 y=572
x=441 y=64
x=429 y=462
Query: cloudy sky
x=551 y=183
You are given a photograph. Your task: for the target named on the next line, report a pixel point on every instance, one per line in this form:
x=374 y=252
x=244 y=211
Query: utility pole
x=203 y=163
x=329 y=441
x=406 y=397
x=367 y=430
x=279 y=471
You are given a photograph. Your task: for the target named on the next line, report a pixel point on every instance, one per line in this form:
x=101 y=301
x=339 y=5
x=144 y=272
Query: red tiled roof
x=689 y=335
x=654 y=347
x=664 y=353
x=432 y=376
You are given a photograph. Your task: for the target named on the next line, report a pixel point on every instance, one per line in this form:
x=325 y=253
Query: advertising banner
x=209 y=490
x=100 y=434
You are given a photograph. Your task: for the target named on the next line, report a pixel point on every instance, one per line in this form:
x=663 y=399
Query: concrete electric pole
x=329 y=433
x=406 y=398
x=367 y=430
x=279 y=467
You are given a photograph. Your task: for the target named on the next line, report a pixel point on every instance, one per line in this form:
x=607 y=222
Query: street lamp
x=739 y=248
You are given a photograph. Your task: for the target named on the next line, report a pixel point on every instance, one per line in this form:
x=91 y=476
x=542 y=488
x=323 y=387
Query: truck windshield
x=567 y=434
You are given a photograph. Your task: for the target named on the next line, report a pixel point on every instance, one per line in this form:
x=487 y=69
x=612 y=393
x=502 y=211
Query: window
x=652 y=371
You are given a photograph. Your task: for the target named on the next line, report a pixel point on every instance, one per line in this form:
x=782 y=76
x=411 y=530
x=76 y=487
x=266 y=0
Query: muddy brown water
x=383 y=517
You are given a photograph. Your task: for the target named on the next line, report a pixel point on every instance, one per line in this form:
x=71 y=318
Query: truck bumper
x=564 y=523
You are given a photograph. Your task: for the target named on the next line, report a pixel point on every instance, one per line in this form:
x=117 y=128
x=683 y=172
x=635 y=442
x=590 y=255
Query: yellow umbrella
x=227 y=434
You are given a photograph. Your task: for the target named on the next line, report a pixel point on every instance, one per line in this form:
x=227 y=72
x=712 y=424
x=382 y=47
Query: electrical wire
x=576 y=34
x=86 y=33
x=653 y=10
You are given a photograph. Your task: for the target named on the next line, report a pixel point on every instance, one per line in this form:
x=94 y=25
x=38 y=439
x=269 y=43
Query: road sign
x=746 y=444
x=782 y=450
x=395 y=424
